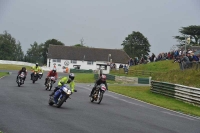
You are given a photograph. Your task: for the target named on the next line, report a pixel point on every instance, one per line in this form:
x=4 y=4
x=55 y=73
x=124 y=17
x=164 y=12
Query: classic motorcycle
x=35 y=77
x=65 y=93
x=40 y=74
x=20 y=79
x=98 y=93
x=50 y=82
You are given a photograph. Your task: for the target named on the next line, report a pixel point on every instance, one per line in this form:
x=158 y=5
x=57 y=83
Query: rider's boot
x=91 y=92
x=51 y=93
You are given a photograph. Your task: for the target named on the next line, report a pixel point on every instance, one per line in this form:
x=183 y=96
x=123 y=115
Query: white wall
x=83 y=65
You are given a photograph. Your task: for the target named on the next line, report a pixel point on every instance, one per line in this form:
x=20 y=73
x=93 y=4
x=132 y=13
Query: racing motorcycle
x=50 y=82
x=40 y=74
x=20 y=79
x=65 y=93
x=35 y=77
x=98 y=93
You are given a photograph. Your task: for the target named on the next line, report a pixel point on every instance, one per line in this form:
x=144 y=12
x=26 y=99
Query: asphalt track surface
x=25 y=109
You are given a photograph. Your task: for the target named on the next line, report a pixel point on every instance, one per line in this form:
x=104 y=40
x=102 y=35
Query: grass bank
x=13 y=67
x=3 y=74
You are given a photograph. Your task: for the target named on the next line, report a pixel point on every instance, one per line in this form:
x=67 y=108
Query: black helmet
x=24 y=68
x=54 y=70
x=71 y=76
x=36 y=64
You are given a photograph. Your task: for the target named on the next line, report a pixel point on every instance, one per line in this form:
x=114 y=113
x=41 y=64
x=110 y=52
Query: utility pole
x=82 y=40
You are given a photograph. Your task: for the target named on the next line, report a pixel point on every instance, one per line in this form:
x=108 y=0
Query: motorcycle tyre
x=100 y=98
x=64 y=98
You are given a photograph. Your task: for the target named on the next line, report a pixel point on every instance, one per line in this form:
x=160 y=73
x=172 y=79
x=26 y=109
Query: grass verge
x=144 y=94
x=13 y=67
x=3 y=74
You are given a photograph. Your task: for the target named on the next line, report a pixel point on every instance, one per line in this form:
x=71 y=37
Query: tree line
x=135 y=45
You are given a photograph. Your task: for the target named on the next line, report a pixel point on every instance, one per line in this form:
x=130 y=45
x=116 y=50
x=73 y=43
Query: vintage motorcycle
x=40 y=74
x=59 y=100
x=98 y=93
x=20 y=79
x=50 y=82
x=35 y=77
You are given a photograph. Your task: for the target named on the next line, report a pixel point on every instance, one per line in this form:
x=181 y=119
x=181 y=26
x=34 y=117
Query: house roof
x=88 y=54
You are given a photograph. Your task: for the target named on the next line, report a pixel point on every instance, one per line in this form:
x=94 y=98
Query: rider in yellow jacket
x=36 y=68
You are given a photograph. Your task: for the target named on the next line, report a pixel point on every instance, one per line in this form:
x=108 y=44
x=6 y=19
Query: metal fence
x=181 y=92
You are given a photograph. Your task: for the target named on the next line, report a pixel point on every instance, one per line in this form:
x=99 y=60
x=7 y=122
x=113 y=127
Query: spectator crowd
x=186 y=59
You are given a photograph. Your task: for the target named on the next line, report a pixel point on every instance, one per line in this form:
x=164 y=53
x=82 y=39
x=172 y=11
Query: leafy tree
x=192 y=31
x=9 y=49
x=18 y=53
x=79 y=45
x=34 y=54
x=136 y=45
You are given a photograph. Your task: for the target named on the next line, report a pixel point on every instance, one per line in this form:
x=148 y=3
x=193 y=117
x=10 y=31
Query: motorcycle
x=98 y=93
x=20 y=79
x=65 y=93
x=35 y=77
x=50 y=82
x=40 y=75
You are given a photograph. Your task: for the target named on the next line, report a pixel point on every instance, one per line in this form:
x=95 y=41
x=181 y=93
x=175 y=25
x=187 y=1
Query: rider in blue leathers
x=58 y=90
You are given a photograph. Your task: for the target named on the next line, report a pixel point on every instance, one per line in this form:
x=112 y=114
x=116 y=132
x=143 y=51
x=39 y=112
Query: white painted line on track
x=177 y=115
x=2 y=77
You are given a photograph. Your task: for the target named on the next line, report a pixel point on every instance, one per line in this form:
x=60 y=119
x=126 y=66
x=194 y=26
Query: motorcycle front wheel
x=100 y=97
x=50 y=101
x=64 y=98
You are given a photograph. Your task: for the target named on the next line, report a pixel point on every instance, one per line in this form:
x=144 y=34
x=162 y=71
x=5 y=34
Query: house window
x=59 y=60
x=90 y=62
x=73 y=61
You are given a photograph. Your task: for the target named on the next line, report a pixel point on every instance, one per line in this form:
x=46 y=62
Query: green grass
x=13 y=67
x=144 y=94
x=3 y=74
x=84 y=78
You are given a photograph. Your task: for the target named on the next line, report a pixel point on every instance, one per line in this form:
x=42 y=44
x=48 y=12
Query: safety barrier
x=108 y=77
x=133 y=80
x=181 y=92
x=80 y=71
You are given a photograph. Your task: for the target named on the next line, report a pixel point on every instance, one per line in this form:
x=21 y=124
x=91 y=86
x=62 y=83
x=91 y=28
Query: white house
x=84 y=58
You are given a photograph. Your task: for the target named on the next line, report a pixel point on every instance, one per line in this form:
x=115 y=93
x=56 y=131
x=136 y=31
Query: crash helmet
x=103 y=77
x=71 y=76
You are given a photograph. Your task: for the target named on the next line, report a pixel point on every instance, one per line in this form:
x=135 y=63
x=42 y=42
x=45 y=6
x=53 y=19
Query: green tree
x=9 y=49
x=34 y=54
x=192 y=31
x=79 y=45
x=136 y=45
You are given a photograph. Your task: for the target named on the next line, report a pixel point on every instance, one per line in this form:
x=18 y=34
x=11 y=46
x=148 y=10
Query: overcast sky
x=101 y=23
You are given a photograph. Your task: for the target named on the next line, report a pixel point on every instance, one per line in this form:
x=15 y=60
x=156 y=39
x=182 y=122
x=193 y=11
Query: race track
x=25 y=109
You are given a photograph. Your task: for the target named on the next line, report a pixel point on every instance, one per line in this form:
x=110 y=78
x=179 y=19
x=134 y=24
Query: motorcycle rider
x=35 y=68
x=51 y=73
x=101 y=80
x=65 y=80
x=25 y=73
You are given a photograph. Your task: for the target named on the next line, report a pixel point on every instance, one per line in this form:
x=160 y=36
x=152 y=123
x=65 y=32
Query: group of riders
x=64 y=80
